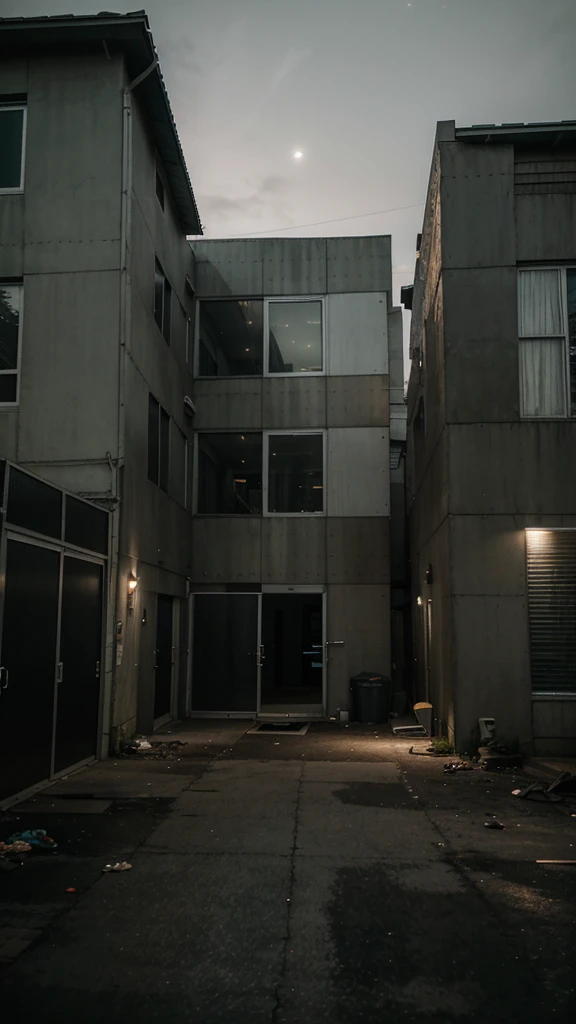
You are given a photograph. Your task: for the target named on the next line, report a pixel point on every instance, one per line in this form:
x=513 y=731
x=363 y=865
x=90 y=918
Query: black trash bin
x=371 y=694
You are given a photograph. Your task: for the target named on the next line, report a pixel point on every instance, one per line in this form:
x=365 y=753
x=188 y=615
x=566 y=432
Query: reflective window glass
x=295 y=337
x=295 y=473
x=230 y=338
x=230 y=474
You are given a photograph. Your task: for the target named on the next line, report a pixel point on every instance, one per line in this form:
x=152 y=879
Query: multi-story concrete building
x=492 y=407
x=298 y=350
x=96 y=306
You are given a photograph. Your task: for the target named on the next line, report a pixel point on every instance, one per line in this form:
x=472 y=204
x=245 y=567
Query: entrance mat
x=281 y=728
x=62 y=805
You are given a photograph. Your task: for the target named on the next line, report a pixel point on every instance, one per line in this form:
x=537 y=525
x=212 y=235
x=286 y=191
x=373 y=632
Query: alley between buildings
x=324 y=877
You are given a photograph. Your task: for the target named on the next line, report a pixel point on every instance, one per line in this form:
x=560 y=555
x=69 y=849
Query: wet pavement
x=297 y=879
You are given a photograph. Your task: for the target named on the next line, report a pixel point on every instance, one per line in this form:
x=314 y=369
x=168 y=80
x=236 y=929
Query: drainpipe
x=116 y=591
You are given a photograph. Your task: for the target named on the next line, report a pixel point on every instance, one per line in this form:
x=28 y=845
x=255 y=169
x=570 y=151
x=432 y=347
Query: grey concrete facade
x=81 y=237
x=346 y=550
x=479 y=474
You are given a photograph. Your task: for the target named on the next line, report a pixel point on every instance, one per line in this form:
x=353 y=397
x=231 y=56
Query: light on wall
x=132 y=585
x=419 y=600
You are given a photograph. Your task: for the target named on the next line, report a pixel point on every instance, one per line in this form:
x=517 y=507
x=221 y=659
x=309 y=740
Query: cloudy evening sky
x=355 y=85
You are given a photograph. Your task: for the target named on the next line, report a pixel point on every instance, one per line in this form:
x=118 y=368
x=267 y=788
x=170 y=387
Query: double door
x=260 y=653
x=50 y=663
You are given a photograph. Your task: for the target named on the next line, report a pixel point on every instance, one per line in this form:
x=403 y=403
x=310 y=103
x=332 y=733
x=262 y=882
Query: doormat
x=281 y=728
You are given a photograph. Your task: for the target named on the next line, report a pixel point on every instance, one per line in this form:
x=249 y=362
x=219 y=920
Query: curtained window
x=542 y=325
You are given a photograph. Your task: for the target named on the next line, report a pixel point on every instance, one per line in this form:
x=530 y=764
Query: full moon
x=298 y=154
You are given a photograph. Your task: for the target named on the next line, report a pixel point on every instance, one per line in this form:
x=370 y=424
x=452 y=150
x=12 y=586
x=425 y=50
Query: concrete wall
x=497 y=475
x=346 y=550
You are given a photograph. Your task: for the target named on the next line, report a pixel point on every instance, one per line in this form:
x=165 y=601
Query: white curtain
x=540 y=306
x=543 y=377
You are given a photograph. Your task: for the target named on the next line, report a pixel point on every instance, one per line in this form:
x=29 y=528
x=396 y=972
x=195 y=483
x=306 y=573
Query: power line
x=319 y=223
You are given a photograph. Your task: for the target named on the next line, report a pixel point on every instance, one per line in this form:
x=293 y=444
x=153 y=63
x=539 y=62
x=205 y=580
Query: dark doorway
x=78 y=693
x=292 y=644
x=29 y=640
x=164 y=657
x=224 y=667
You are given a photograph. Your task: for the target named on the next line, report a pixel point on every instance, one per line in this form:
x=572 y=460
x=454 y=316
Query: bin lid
x=421 y=706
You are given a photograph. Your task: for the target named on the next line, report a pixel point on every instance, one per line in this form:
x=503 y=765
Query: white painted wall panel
x=357 y=333
x=358 y=478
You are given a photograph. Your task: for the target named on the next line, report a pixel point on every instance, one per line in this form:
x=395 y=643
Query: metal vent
x=551 y=558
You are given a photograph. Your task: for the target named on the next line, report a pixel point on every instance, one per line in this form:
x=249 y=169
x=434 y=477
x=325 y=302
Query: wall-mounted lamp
x=418 y=600
x=429 y=576
x=132 y=584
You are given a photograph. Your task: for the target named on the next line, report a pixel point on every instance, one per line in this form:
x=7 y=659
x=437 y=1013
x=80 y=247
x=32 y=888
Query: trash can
x=371 y=694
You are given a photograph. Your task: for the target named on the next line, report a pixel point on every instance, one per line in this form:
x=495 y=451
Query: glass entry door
x=225 y=653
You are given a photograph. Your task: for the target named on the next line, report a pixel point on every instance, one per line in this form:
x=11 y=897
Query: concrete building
x=96 y=306
x=299 y=375
x=492 y=407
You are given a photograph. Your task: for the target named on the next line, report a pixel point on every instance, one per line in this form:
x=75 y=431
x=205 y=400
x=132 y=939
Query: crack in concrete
x=275 y=1018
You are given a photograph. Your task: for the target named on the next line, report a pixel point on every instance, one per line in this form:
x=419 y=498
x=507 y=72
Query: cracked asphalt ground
x=299 y=880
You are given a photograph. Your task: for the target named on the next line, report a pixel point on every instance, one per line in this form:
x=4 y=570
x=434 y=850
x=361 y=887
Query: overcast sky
x=355 y=85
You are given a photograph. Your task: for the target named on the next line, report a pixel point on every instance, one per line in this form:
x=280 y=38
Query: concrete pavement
x=331 y=877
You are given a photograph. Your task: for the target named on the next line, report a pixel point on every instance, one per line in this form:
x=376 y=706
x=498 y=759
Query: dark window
x=153 y=438
x=295 y=337
x=162 y=301
x=296 y=473
x=160 y=190
x=571 y=290
x=164 y=470
x=230 y=338
x=11 y=148
x=86 y=526
x=10 y=306
x=551 y=556
x=177 y=465
x=230 y=474
x=34 y=505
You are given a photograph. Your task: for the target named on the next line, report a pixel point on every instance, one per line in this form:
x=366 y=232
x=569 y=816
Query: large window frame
x=266 y=435
x=265 y=513
x=564 y=338
x=16 y=371
x=266 y=302
x=17 y=105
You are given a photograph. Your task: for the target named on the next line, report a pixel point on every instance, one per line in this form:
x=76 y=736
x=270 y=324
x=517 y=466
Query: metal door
x=164 y=658
x=225 y=653
x=78 y=671
x=27 y=676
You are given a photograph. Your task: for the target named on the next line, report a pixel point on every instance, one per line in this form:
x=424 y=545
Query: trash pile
x=14 y=851
x=564 y=786
x=141 y=747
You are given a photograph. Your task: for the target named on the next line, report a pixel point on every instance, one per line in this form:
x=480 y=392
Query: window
x=159 y=189
x=230 y=474
x=189 y=342
x=547 y=341
x=177 y=465
x=12 y=139
x=230 y=338
x=295 y=336
x=158 y=444
x=10 y=325
x=162 y=301
x=295 y=473
x=551 y=574
x=252 y=337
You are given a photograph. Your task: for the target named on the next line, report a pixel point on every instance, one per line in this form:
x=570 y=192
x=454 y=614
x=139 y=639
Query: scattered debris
x=157 y=750
x=121 y=865
x=16 y=847
x=566 y=863
x=457 y=766
x=562 y=786
x=34 y=837
x=494 y=824
x=497 y=756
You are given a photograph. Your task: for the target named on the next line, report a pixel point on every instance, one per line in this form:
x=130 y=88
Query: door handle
x=172 y=656
x=59 y=672
x=260 y=656
x=4 y=678
x=332 y=643
x=97 y=670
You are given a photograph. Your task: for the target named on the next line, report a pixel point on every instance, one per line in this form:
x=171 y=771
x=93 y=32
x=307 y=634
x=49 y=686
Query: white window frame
x=293 y=298
x=16 y=371
x=17 y=190
x=563 y=268
x=266 y=435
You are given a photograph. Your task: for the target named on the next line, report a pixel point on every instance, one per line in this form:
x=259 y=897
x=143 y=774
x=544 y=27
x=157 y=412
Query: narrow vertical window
x=571 y=299
x=12 y=138
x=542 y=339
x=162 y=301
x=153 y=438
x=159 y=190
x=10 y=324
x=164 y=473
